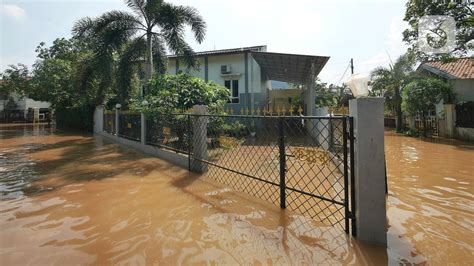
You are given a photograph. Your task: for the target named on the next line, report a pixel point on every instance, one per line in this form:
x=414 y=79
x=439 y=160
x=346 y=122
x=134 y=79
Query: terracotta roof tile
x=462 y=68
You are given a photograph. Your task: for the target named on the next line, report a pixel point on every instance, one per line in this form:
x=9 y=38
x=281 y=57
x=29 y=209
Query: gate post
x=117 y=122
x=143 y=128
x=281 y=146
x=99 y=119
x=369 y=169
x=199 y=128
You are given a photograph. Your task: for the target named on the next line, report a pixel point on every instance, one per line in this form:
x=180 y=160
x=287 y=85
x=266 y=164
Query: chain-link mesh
x=169 y=131
x=130 y=126
x=109 y=122
x=242 y=152
x=315 y=169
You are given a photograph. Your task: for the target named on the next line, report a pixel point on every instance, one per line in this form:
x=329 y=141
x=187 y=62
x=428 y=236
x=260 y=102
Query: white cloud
x=12 y=11
x=394 y=47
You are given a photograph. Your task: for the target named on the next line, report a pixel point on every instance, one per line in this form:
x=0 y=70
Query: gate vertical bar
x=352 y=180
x=346 y=174
x=189 y=141
x=281 y=145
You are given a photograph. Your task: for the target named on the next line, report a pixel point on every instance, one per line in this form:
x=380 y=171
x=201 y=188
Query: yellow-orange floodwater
x=69 y=199
x=430 y=206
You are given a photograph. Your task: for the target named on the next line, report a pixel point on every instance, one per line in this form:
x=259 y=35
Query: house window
x=233 y=86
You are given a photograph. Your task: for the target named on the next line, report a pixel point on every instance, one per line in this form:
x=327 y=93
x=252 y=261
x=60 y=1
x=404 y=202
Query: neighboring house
x=248 y=73
x=457 y=119
x=23 y=109
x=459 y=73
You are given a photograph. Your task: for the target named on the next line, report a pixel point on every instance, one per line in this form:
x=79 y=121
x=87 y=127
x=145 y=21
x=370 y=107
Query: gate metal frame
x=349 y=203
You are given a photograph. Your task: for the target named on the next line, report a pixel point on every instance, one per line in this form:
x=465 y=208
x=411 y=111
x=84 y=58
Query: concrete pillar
x=369 y=169
x=199 y=138
x=143 y=128
x=116 y=122
x=450 y=119
x=99 y=119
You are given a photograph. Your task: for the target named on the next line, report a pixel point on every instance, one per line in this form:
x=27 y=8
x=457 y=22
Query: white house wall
x=252 y=88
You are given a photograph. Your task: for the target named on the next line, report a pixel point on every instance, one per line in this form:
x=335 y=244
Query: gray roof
x=228 y=51
x=294 y=68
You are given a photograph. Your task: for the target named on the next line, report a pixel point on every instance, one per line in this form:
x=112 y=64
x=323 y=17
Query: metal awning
x=294 y=68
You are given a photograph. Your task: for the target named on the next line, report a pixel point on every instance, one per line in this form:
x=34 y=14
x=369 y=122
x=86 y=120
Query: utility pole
x=352 y=66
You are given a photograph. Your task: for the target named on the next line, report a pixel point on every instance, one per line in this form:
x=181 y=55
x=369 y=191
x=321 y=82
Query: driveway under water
x=75 y=199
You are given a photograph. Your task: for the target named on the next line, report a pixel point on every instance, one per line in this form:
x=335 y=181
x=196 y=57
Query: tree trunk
x=398 y=110
x=149 y=57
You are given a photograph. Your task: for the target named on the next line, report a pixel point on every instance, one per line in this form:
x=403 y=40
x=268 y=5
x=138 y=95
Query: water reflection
x=431 y=199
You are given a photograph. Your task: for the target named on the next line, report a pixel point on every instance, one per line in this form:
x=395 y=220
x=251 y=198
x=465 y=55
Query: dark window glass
x=235 y=88
x=227 y=84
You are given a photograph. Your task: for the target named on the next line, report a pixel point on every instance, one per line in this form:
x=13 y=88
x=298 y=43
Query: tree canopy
x=463 y=16
x=141 y=36
x=421 y=95
x=388 y=83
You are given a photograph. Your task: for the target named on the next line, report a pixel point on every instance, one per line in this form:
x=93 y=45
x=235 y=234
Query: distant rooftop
x=462 y=68
x=259 y=48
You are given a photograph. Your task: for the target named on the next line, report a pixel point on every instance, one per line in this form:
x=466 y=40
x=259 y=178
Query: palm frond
x=192 y=18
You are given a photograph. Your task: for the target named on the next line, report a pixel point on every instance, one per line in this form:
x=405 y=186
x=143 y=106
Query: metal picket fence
x=130 y=126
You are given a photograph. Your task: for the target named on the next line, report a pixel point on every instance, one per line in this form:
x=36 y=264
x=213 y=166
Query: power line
x=345 y=71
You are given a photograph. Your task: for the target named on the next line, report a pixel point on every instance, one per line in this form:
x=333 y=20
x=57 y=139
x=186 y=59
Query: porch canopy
x=293 y=68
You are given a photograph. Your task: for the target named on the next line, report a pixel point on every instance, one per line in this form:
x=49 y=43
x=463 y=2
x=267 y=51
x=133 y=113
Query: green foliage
x=15 y=80
x=67 y=75
x=388 y=83
x=420 y=95
x=413 y=132
x=331 y=95
x=459 y=10
x=143 y=34
x=168 y=93
x=77 y=118
x=235 y=129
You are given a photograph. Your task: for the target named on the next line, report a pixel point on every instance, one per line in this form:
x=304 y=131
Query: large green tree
x=143 y=34
x=388 y=83
x=421 y=95
x=462 y=13
x=66 y=75
x=14 y=80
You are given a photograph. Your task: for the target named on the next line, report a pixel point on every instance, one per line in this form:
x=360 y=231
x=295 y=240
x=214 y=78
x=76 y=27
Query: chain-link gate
x=297 y=162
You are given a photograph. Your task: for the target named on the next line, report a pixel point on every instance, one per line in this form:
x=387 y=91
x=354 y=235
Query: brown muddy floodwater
x=74 y=199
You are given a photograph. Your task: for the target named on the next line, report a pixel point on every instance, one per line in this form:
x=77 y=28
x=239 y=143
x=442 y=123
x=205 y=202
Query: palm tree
x=143 y=34
x=388 y=83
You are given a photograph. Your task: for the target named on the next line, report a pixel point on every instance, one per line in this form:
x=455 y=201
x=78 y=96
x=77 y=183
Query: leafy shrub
x=169 y=93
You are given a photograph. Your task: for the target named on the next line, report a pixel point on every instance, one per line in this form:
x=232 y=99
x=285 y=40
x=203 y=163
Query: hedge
x=77 y=118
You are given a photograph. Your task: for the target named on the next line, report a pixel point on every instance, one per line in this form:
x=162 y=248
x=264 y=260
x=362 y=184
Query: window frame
x=233 y=99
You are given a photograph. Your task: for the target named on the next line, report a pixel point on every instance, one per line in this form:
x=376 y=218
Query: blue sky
x=366 y=30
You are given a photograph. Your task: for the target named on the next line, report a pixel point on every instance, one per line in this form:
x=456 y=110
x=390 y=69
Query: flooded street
x=75 y=199
x=431 y=200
